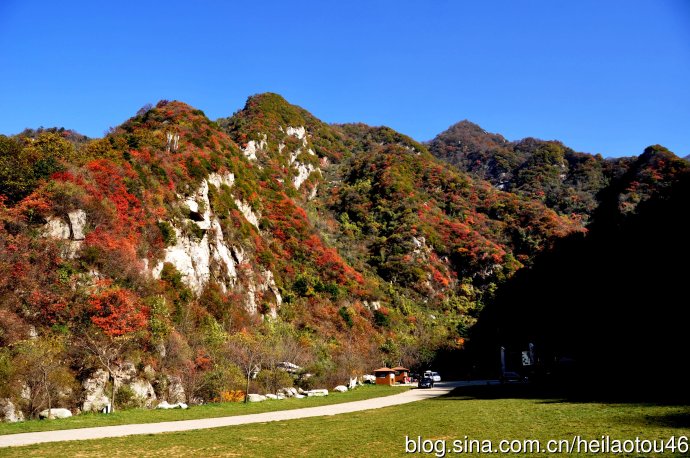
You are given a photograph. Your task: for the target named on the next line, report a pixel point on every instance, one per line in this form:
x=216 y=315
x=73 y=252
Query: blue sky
x=608 y=77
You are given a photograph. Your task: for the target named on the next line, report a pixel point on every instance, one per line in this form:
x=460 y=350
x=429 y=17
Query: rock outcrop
x=303 y=169
x=207 y=255
x=94 y=388
x=176 y=393
x=143 y=391
x=70 y=227
x=9 y=412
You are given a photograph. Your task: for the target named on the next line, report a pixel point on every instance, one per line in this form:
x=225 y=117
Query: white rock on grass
x=55 y=413
x=340 y=389
x=300 y=396
x=166 y=406
x=271 y=396
x=313 y=393
x=253 y=397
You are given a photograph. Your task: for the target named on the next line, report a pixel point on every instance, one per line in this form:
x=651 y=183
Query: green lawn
x=381 y=433
x=226 y=409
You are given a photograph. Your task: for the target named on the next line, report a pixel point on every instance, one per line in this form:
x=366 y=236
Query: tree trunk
x=112 y=394
x=47 y=388
x=246 y=392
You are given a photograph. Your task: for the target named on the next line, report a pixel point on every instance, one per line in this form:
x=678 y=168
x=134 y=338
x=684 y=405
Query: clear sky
x=603 y=76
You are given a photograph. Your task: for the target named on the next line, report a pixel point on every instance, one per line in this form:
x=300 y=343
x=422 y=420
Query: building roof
x=400 y=368
x=384 y=369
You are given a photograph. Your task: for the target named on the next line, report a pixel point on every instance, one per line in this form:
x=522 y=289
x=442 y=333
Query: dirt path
x=14 y=440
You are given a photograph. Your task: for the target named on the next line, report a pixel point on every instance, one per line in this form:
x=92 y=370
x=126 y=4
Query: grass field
x=226 y=409
x=381 y=433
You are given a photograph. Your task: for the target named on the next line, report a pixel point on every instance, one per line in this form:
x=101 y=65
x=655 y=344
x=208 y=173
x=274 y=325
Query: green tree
x=24 y=162
x=40 y=366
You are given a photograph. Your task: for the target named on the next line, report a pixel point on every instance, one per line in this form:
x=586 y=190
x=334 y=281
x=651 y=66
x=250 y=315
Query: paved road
x=14 y=440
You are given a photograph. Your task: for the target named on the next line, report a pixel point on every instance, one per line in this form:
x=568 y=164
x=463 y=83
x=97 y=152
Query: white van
x=433 y=376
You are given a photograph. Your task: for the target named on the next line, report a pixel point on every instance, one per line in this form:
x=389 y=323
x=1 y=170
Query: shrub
x=381 y=319
x=168 y=233
x=125 y=398
x=271 y=380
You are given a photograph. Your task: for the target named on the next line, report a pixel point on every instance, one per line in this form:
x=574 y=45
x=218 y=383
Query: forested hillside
x=149 y=263
x=607 y=309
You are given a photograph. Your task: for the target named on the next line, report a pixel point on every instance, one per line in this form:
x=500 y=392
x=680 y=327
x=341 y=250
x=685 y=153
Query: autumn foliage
x=117 y=312
x=385 y=254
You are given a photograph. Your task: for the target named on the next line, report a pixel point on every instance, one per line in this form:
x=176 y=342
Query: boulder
x=369 y=378
x=314 y=393
x=281 y=396
x=271 y=396
x=300 y=396
x=10 y=413
x=340 y=389
x=353 y=383
x=95 y=398
x=253 y=397
x=55 y=413
x=300 y=391
x=286 y=392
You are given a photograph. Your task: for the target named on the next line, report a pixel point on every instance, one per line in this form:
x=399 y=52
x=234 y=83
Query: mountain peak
x=656 y=152
x=277 y=111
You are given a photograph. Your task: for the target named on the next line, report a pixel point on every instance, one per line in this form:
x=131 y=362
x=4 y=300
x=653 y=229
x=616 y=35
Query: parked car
x=433 y=375
x=512 y=377
x=425 y=382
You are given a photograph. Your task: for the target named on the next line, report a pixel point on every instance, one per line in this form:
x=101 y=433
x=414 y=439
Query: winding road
x=15 y=440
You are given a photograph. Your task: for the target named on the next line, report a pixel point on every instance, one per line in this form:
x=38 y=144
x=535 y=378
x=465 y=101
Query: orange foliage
x=230 y=396
x=117 y=312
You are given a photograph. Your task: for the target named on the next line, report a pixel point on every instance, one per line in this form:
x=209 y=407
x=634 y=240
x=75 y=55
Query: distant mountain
x=564 y=180
x=687 y=158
